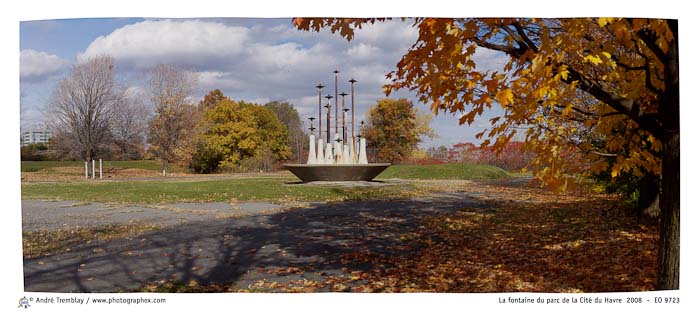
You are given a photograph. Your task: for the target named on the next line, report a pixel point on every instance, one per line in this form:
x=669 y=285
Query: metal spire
x=352 y=118
x=328 y=118
x=336 y=100
x=320 y=126
x=345 y=137
x=311 y=124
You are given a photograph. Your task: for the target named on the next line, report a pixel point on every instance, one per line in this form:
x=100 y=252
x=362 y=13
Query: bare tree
x=289 y=116
x=172 y=127
x=82 y=106
x=129 y=127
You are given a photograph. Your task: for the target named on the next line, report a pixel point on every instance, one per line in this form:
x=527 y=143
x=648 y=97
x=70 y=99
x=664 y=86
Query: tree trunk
x=648 y=206
x=669 y=243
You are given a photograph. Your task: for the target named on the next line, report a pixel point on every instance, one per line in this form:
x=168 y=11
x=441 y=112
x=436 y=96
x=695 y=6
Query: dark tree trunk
x=648 y=206
x=669 y=243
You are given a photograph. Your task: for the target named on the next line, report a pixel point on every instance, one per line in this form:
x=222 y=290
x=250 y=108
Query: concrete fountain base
x=323 y=172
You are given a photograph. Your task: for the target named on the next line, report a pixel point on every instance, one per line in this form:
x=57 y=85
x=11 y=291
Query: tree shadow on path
x=240 y=251
x=535 y=243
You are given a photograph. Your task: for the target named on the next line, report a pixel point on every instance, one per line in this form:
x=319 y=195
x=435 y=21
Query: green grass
x=275 y=189
x=33 y=166
x=256 y=188
x=444 y=171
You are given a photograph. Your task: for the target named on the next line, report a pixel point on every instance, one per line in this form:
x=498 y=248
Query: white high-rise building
x=33 y=137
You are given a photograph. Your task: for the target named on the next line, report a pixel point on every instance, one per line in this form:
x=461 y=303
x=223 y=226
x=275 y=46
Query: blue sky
x=256 y=60
x=66 y=37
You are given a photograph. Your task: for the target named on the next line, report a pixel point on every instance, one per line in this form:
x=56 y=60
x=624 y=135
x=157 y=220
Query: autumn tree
x=36 y=152
x=567 y=82
x=511 y=157
x=129 y=127
x=82 y=108
x=236 y=132
x=172 y=128
x=289 y=116
x=439 y=152
x=394 y=128
x=211 y=99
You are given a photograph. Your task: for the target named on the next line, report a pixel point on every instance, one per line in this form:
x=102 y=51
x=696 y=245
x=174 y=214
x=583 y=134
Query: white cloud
x=272 y=60
x=32 y=119
x=490 y=60
x=210 y=80
x=38 y=65
x=136 y=92
x=260 y=100
x=188 y=42
x=363 y=52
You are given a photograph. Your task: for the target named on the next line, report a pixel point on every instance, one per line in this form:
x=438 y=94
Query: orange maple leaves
x=561 y=86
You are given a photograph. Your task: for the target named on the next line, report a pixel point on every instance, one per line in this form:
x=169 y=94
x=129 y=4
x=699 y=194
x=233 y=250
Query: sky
x=252 y=59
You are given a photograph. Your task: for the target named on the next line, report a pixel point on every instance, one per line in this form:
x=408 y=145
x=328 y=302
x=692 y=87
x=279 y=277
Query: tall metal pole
x=328 y=119
x=311 y=125
x=311 y=130
x=345 y=127
x=345 y=137
x=336 y=100
x=320 y=125
x=352 y=119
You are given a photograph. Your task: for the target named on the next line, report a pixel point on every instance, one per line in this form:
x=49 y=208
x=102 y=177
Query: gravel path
x=54 y=215
x=219 y=243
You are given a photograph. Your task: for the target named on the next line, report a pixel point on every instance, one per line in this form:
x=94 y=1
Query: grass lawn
x=34 y=166
x=275 y=188
x=224 y=190
x=444 y=171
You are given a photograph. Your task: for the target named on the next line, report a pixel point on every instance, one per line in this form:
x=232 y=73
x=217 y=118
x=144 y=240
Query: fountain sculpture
x=338 y=158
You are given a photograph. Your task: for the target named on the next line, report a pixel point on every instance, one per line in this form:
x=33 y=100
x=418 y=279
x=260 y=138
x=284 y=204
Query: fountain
x=336 y=159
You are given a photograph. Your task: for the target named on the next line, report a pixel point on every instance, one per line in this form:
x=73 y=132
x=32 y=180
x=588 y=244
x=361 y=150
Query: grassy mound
x=444 y=171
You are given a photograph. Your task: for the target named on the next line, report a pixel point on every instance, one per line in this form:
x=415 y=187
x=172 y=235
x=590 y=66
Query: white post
x=86 y=170
x=93 y=168
x=337 y=153
x=346 y=154
x=163 y=172
x=329 y=153
x=100 y=168
x=320 y=159
x=312 y=150
x=363 y=152
x=353 y=155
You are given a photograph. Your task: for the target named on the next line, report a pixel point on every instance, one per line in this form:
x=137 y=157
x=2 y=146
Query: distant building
x=33 y=137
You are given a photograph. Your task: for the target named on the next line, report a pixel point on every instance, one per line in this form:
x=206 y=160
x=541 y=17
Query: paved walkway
x=53 y=215
x=217 y=243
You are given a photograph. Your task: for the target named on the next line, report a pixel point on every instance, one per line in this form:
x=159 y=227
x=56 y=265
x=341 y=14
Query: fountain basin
x=336 y=172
